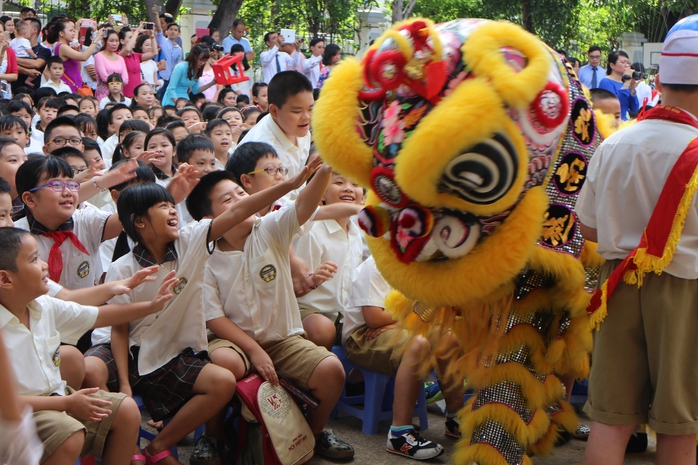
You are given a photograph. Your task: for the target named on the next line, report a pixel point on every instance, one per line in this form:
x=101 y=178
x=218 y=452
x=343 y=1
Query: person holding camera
x=133 y=59
x=620 y=82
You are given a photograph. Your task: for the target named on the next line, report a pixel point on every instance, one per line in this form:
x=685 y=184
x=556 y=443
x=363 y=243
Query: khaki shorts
x=218 y=343
x=55 y=427
x=338 y=323
x=643 y=368
x=295 y=358
x=381 y=354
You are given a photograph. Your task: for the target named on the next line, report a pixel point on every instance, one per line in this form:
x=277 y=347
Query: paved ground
x=371 y=449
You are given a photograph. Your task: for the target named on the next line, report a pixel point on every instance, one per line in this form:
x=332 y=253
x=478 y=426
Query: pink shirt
x=133 y=66
x=104 y=68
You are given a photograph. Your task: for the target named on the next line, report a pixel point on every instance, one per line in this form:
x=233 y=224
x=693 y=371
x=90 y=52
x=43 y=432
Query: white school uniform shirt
x=34 y=146
x=60 y=87
x=368 y=289
x=293 y=157
x=79 y=270
x=164 y=335
x=253 y=288
x=108 y=148
x=327 y=240
x=311 y=68
x=38 y=135
x=624 y=180
x=36 y=351
x=268 y=59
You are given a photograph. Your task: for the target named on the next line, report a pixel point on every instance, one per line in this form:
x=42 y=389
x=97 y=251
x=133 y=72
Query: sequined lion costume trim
x=473 y=139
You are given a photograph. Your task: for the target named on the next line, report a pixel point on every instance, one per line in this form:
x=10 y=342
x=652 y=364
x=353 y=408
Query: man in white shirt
x=312 y=67
x=274 y=60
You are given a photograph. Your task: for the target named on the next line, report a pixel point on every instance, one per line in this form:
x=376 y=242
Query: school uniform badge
x=83 y=269
x=179 y=287
x=56 y=358
x=268 y=273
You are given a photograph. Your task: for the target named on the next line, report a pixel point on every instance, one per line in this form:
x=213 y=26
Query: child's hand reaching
x=325 y=271
x=122 y=173
x=139 y=277
x=164 y=293
x=313 y=166
x=183 y=182
x=81 y=405
x=264 y=366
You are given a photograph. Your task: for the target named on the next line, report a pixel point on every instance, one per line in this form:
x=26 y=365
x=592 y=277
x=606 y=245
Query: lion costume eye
x=483 y=174
x=455 y=236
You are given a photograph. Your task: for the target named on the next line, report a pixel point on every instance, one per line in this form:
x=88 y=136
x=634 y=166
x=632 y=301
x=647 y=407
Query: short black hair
x=115 y=108
x=287 y=84
x=268 y=35
x=9 y=122
x=50 y=102
x=5 y=187
x=18 y=105
x=245 y=158
x=187 y=146
x=593 y=48
x=67 y=151
x=42 y=92
x=209 y=112
x=601 y=94
x=91 y=144
x=199 y=200
x=60 y=121
x=183 y=110
x=66 y=108
x=30 y=173
x=143 y=174
x=169 y=25
x=214 y=123
x=10 y=245
x=54 y=59
x=133 y=125
x=165 y=120
x=135 y=201
x=315 y=41
x=242 y=98
x=237 y=22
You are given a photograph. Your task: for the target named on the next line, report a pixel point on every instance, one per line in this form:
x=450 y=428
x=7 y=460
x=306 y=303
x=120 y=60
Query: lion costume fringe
x=473 y=139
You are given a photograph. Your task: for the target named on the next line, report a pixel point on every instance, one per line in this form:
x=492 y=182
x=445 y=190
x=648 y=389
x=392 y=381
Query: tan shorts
x=381 y=354
x=55 y=427
x=295 y=358
x=338 y=323
x=218 y=343
x=643 y=367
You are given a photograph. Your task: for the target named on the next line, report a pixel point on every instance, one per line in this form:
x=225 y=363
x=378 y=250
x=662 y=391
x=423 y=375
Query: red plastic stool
x=225 y=74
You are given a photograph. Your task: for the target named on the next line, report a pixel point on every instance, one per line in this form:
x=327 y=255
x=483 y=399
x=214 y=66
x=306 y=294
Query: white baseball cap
x=678 y=63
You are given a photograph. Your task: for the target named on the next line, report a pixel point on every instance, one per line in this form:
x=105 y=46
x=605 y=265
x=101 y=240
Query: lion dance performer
x=473 y=139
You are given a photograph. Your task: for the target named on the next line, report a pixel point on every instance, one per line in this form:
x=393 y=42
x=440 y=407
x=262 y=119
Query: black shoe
x=412 y=445
x=637 y=444
x=328 y=445
x=205 y=452
x=452 y=428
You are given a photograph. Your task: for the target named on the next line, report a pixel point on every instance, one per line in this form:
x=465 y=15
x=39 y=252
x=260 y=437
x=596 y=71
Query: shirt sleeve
x=311 y=63
x=101 y=67
x=53 y=288
x=11 y=62
x=268 y=56
x=72 y=319
x=282 y=225
x=310 y=248
x=94 y=221
x=114 y=273
x=211 y=295
x=586 y=202
x=369 y=288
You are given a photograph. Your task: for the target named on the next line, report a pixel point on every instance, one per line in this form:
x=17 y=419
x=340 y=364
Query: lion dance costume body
x=473 y=139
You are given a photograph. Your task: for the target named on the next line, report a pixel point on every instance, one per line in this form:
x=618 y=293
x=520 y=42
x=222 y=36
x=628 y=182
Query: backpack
x=271 y=427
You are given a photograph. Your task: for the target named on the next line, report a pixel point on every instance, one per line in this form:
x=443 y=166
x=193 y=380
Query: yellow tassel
x=646 y=262
x=596 y=318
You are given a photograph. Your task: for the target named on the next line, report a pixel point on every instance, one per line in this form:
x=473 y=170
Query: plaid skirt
x=165 y=390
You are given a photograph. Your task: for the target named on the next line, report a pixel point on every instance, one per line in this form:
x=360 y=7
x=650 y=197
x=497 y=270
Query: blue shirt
x=172 y=54
x=627 y=101
x=586 y=74
x=229 y=41
x=179 y=85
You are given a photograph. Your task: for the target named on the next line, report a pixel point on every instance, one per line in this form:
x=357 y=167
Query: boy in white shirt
x=69 y=423
x=313 y=65
x=374 y=341
x=252 y=311
x=338 y=241
x=55 y=71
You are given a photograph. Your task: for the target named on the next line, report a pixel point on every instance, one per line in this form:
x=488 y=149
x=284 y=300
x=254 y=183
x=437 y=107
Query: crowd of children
x=191 y=236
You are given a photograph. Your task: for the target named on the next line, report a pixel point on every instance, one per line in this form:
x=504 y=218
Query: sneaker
x=205 y=452
x=582 y=432
x=433 y=392
x=412 y=445
x=452 y=428
x=328 y=445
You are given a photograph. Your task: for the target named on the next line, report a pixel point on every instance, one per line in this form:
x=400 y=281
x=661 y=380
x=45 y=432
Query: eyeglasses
x=59 y=186
x=272 y=170
x=16 y=209
x=79 y=170
x=61 y=141
x=594 y=57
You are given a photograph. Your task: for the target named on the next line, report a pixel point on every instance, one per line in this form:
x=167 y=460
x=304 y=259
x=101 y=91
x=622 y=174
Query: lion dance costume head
x=473 y=138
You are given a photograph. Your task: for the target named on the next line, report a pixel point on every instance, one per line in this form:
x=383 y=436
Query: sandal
x=138 y=458
x=153 y=459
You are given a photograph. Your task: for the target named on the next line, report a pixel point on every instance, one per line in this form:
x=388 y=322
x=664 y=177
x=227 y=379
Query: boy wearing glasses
x=68 y=237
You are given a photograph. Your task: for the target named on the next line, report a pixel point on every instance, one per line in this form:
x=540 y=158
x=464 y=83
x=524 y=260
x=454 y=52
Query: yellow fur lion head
x=453 y=128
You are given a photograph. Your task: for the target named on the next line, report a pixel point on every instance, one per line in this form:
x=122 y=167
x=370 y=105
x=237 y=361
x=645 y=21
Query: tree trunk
x=527 y=15
x=172 y=7
x=149 y=4
x=397 y=11
x=224 y=16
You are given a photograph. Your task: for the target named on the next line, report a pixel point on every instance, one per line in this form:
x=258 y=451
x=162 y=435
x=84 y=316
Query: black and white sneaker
x=412 y=445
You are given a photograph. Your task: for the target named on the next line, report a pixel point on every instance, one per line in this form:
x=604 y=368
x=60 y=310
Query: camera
x=216 y=47
x=626 y=78
x=637 y=76
x=149 y=26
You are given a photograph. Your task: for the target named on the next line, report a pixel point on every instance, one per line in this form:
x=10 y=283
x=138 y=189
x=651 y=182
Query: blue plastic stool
x=377 y=398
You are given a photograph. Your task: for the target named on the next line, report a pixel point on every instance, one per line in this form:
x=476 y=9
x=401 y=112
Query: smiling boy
x=287 y=126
